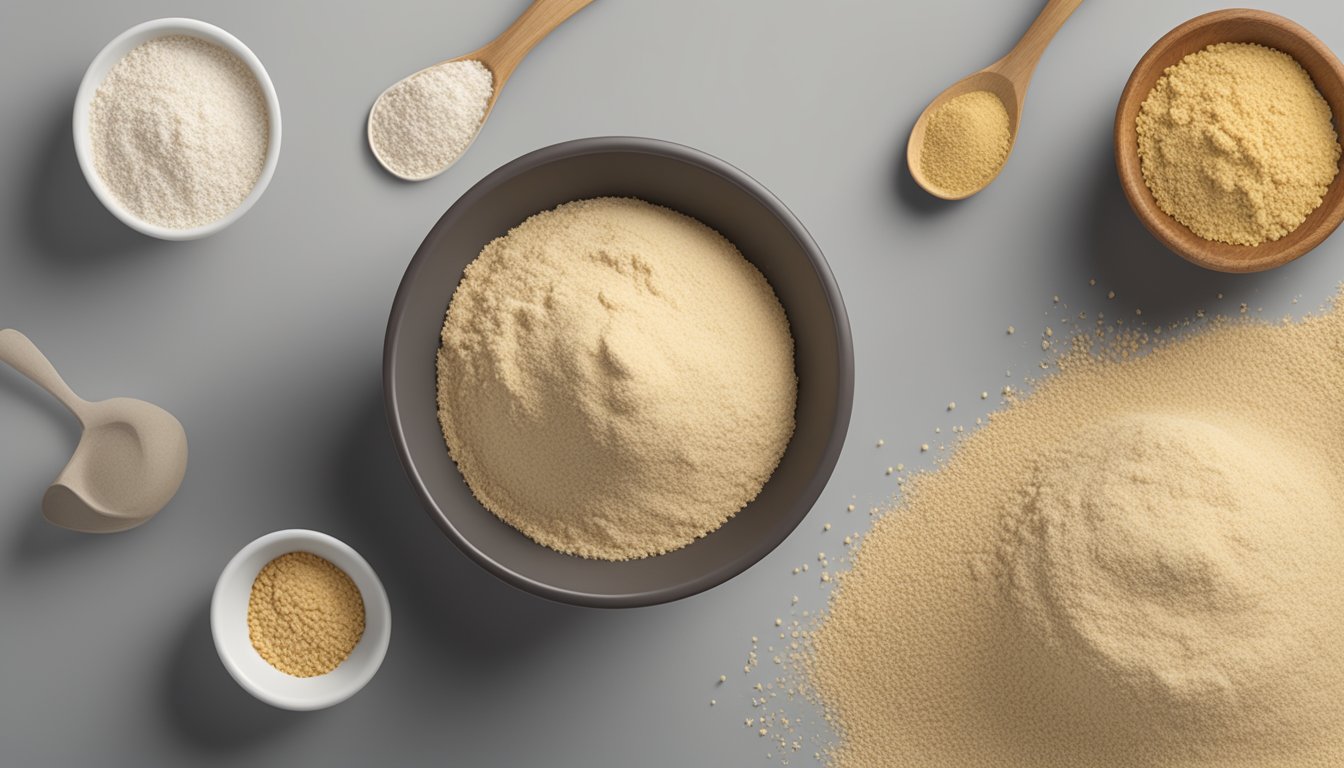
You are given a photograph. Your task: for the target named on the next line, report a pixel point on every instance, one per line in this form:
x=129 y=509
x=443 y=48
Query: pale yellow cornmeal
x=1236 y=143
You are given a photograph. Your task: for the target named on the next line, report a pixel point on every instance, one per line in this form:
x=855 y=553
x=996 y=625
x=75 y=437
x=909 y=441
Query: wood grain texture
x=500 y=56
x=1228 y=26
x=1007 y=78
x=503 y=54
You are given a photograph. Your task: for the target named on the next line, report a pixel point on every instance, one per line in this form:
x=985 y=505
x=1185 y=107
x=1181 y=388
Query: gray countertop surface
x=266 y=340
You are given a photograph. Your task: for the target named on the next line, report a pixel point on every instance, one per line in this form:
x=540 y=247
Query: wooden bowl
x=1229 y=26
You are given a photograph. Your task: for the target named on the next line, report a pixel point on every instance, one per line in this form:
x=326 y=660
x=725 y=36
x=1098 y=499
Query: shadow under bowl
x=685 y=180
x=1229 y=26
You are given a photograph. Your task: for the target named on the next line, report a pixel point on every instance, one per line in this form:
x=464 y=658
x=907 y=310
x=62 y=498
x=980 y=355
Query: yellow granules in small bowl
x=1237 y=144
x=304 y=615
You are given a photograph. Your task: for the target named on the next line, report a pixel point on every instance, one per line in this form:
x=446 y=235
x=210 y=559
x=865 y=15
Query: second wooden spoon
x=1006 y=78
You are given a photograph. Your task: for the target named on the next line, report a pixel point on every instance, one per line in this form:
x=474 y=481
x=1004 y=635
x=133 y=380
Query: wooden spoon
x=1006 y=78
x=129 y=462
x=501 y=56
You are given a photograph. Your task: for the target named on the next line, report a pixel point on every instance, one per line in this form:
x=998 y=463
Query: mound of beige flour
x=1140 y=564
x=615 y=380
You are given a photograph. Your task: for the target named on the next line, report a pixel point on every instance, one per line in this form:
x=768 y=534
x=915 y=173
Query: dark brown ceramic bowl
x=685 y=180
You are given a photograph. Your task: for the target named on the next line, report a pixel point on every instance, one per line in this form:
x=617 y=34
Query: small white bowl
x=107 y=58
x=228 y=624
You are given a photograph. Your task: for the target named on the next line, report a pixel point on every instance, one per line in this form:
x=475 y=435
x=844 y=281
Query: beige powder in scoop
x=615 y=379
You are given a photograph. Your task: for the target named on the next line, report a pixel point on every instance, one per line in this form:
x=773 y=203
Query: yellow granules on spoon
x=966 y=142
x=1236 y=143
x=304 y=615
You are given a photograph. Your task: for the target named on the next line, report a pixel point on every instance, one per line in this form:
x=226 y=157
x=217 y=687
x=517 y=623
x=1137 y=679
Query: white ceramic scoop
x=129 y=461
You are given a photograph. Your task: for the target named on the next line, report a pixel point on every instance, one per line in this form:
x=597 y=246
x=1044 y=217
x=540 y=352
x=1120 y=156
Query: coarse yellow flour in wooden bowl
x=1139 y=564
x=1237 y=144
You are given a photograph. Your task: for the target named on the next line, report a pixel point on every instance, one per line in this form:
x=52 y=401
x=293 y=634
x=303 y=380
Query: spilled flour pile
x=1139 y=564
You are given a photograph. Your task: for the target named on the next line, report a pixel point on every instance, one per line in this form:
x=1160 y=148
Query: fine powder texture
x=1236 y=143
x=615 y=379
x=1137 y=565
x=421 y=125
x=966 y=141
x=305 y=615
x=180 y=131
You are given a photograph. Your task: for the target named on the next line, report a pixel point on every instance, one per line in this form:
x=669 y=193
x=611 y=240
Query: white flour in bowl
x=179 y=131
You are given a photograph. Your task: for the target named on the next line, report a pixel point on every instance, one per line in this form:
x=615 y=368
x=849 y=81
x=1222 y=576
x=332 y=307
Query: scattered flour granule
x=180 y=131
x=615 y=379
x=421 y=125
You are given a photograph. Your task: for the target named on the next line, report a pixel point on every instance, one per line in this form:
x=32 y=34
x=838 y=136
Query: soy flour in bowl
x=615 y=380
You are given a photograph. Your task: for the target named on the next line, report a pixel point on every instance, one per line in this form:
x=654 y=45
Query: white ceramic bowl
x=108 y=58
x=228 y=624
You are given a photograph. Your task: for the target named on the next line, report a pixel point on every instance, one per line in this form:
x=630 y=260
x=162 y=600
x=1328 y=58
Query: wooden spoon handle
x=17 y=350
x=1021 y=61
x=504 y=53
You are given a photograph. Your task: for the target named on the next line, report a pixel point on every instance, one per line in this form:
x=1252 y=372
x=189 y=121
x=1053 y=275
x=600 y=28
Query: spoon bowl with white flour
x=423 y=123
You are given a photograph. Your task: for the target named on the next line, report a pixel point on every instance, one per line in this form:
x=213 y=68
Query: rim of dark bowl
x=844 y=401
